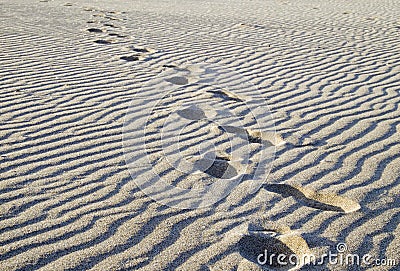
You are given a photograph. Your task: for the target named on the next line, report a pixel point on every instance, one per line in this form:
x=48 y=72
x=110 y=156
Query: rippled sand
x=327 y=72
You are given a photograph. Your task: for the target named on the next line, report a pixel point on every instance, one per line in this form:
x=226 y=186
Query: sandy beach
x=199 y=135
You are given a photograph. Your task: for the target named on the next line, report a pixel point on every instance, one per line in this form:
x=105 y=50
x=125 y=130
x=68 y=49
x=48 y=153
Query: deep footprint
x=140 y=50
x=318 y=200
x=169 y=66
x=95 y=30
x=130 y=58
x=218 y=167
x=117 y=35
x=102 y=42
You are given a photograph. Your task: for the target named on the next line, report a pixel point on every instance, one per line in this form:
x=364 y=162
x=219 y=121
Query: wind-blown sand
x=328 y=71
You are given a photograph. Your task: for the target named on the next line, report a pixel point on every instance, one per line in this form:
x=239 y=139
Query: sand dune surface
x=196 y=135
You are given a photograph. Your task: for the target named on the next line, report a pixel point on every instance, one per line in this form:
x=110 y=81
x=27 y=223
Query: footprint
x=226 y=94
x=117 y=35
x=110 y=25
x=102 y=41
x=255 y=136
x=300 y=141
x=217 y=165
x=177 y=68
x=272 y=238
x=98 y=15
x=263 y=226
x=245 y=25
x=89 y=9
x=95 y=30
x=169 y=66
x=192 y=113
x=259 y=136
x=130 y=58
x=113 y=18
x=315 y=199
x=140 y=50
x=178 y=80
x=139 y=53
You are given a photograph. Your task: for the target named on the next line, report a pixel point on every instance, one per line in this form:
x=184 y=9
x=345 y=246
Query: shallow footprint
x=259 y=136
x=110 y=25
x=263 y=226
x=315 y=199
x=192 y=113
x=226 y=94
x=254 y=136
x=273 y=238
x=178 y=80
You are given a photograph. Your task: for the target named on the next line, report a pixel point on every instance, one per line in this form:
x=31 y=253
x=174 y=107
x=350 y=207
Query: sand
x=86 y=86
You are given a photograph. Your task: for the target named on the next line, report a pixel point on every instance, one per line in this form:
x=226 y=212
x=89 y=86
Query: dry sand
x=328 y=71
